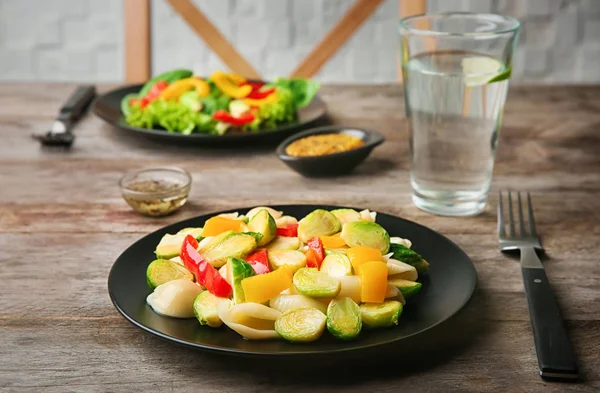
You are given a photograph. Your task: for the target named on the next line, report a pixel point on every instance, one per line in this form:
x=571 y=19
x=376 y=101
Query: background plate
x=447 y=287
x=108 y=108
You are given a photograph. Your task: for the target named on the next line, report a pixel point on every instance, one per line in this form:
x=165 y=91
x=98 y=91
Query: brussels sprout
x=294 y=259
x=366 y=233
x=381 y=315
x=350 y=287
x=403 y=270
x=318 y=223
x=263 y=223
x=206 y=309
x=301 y=324
x=274 y=213
x=174 y=298
x=398 y=240
x=196 y=232
x=285 y=303
x=313 y=283
x=343 y=318
x=161 y=271
x=283 y=243
x=336 y=264
x=404 y=254
x=228 y=244
x=169 y=246
x=407 y=288
x=346 y=215
x=285 y=221
x=256 y=235
x=238 y=269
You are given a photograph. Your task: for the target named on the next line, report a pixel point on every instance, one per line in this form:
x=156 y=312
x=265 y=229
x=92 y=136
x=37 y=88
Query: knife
x=72 y=110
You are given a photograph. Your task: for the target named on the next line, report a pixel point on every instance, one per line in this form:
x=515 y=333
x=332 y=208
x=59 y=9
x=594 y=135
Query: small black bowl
x=330 y=164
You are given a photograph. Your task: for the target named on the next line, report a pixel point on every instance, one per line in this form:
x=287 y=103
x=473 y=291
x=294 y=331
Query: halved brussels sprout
x=343 y=318
x=301 y=324
x=336 y=264
x=274 y=213
x=174 y=298
x=206 y=309
x=161 y=271
x=398 y=240
x=404 y=254
x=238 y=269
x=407 y=288
x=381 y=315
x=283 y=243
x=346 y=215
x=292 y=258
x=169 y=246
x=367 y=234
x=285 y=303
x=285 y=221
x=403 y=270
x=263 y=223
x=228 y=244
x=318 y=223
x=256 y=235
x=196 y=232
x=313 y=283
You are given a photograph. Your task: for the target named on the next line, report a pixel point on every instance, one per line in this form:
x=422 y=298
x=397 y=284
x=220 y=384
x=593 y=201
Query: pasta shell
x=231 y=318
x=174 y=298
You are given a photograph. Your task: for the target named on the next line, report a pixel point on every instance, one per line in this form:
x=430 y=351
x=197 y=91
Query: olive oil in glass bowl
x=156 y=191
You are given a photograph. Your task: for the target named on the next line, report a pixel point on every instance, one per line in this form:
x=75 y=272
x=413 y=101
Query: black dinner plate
x=447 y=287
x=108 y=108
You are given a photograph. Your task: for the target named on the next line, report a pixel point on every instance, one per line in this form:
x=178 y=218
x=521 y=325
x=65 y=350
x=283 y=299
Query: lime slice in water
x=481 y=70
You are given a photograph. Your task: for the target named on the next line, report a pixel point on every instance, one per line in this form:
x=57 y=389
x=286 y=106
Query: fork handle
x=556 y=358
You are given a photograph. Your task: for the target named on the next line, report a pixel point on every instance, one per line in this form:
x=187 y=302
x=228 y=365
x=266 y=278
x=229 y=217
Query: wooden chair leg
x=137 y=41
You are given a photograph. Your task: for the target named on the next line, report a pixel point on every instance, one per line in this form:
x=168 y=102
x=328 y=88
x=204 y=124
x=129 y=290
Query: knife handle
x=77 y=103
x=556 y=358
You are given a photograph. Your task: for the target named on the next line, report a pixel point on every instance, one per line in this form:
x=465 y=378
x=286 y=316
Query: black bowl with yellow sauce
x=328 y=151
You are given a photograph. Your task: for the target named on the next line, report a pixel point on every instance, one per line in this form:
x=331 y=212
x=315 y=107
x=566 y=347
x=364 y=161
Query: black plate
x=447 y=287
x=330 y=164
x=108 y=108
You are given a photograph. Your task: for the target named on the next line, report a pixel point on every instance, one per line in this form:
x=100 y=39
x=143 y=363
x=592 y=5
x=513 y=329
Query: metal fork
x=556 y=358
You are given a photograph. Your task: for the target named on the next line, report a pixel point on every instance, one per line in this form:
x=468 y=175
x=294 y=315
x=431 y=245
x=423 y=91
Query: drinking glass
x=455 y=69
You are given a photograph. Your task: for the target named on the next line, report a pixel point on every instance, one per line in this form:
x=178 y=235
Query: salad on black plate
x=180 y=102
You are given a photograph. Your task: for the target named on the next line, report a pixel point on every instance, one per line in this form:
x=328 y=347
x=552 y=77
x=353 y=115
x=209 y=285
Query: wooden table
x=63 y=223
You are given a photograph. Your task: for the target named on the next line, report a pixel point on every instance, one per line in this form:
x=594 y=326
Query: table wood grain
x=63 y=223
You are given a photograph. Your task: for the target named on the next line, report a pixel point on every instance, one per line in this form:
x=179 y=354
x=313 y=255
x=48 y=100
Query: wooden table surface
x=63 y=223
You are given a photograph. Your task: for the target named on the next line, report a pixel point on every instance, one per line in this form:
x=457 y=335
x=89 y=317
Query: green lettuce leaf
x=303 y=90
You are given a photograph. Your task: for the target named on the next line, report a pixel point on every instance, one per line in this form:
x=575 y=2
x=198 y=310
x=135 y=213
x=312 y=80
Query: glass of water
x=455 y=69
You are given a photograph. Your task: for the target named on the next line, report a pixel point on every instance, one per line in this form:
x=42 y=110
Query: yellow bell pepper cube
x=176 y=89
x=216 y=225
x=373 y=282
x=228 y=86
x=333 y=241
x=360 y=255
x=263 y=287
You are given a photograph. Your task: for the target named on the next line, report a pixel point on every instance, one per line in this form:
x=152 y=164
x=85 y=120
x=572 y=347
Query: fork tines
x=512 y=233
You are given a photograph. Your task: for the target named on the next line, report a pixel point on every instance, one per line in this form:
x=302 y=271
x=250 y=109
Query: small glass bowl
x=156 y=191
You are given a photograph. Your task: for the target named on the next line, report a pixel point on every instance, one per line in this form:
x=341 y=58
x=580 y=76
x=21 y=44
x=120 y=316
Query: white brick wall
x=82 y=40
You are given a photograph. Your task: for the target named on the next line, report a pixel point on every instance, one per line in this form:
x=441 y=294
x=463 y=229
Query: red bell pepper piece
x=288 y=231
x=255 y=85
x=312 y=260
x=260 y=94
x=156 y=89
x=259 y=261
x=204 y=272
x=316 y=245
x=225 y=117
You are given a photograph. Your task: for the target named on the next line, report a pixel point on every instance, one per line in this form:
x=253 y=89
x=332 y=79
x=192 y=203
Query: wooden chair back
x=138 y=67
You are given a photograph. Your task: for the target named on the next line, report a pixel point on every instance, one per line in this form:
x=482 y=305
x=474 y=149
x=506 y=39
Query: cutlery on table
x=73 y=109
x=556 y=358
